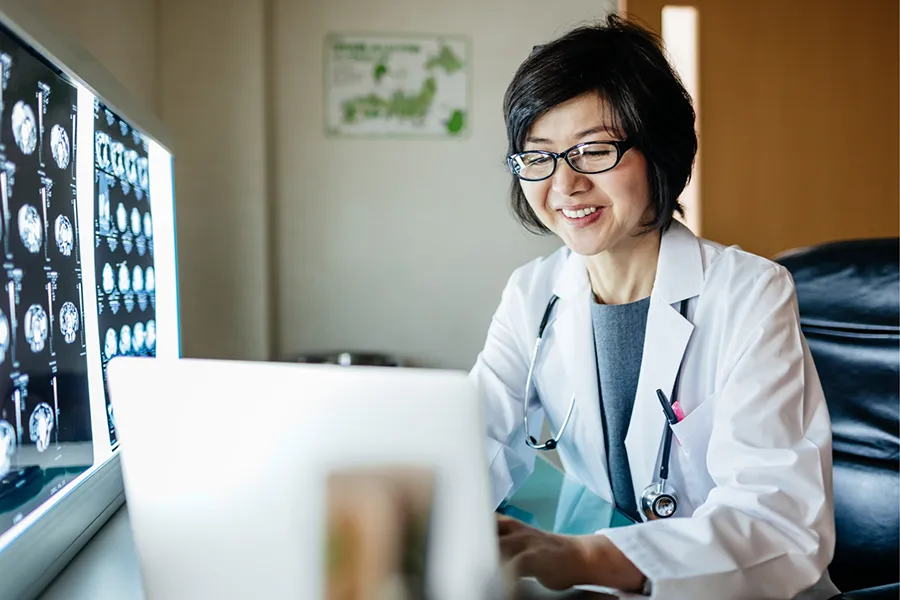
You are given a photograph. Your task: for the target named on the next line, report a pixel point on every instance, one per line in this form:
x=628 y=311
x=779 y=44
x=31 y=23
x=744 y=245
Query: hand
x=556 y=561
x=560 y=562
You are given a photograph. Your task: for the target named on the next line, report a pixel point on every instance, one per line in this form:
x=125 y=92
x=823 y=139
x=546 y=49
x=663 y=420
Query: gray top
x=619 y=341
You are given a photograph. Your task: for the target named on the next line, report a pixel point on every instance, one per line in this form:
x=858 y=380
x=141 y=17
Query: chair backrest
x=849 y=299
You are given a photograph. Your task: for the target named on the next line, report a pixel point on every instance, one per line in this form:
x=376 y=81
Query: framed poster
x=397 y=86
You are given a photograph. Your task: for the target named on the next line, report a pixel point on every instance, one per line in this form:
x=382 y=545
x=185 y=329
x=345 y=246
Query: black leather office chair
x=849 y=298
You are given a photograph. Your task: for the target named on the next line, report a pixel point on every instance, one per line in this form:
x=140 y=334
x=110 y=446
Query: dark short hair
x=625 y=64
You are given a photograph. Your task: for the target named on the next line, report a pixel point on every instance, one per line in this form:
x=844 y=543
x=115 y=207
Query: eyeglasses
x=587 y=157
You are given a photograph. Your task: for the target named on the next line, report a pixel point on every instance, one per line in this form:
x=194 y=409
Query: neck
x=625 y=273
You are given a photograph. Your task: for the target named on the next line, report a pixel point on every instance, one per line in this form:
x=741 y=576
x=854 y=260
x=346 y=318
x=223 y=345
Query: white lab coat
x=752 y=462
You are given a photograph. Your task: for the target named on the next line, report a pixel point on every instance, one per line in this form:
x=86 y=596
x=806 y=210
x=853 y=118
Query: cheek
x=536 y=195
x=629 y=189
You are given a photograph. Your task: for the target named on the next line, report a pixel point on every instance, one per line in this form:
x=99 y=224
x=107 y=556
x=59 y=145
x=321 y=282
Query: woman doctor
x=671 y=370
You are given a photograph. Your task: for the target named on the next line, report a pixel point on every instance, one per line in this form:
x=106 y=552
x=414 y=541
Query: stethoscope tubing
x=554 y=440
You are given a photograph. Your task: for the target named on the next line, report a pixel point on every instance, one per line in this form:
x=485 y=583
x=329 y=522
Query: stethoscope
x=658 y=501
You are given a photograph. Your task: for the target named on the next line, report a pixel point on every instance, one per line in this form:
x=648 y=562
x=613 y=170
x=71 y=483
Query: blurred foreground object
x=849 y=301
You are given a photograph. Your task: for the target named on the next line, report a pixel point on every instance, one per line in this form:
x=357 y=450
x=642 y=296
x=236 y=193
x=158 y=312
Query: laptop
x=227 y=464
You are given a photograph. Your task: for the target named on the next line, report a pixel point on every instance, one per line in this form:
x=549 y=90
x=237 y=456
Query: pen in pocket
x=671 y=414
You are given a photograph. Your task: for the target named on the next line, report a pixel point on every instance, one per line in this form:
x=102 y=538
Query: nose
x=567 y=181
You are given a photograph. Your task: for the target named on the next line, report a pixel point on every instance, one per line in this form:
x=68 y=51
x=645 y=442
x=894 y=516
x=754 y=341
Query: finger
x=526 y=561
x=507 y=524
x=513 y=544
x=521 y=565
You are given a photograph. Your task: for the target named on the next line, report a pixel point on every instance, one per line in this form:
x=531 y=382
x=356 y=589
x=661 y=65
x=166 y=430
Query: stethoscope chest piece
x=657 y=502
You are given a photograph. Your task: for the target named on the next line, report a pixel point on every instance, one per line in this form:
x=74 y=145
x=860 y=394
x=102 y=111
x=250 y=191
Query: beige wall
x=121 y=35
x=799 y=119
x=396 y=245
x=212 y=98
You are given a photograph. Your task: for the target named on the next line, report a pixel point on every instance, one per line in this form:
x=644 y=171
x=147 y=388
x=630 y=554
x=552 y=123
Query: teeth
x=577 y=214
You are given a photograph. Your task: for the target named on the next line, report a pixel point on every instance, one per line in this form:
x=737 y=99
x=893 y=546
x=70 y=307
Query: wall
x=212 y=98
x=120 y=35
x=390 y=245
x=799 y=119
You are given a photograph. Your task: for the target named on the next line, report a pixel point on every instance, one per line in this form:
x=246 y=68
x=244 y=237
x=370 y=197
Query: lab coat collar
x=679 y=276
x=679 y=268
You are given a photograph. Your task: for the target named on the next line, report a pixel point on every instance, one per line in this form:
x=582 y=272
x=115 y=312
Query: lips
x=582 y=216
x=578 y=213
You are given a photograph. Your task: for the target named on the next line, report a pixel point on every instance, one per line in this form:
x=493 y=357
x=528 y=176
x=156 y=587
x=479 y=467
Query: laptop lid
x=226 y=467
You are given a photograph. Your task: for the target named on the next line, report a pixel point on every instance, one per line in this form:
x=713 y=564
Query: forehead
x=566 y=121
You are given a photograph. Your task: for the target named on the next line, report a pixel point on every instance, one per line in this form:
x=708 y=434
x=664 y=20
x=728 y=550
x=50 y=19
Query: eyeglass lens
x=594 y=157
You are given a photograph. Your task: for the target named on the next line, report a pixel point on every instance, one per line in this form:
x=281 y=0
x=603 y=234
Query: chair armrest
x=882 y=592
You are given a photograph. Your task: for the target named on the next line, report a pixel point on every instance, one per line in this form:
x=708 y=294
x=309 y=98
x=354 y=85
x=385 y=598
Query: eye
x=597 y=153
x=536 y=159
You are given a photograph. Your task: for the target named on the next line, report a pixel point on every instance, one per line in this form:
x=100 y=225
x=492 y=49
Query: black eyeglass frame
x=621 y=146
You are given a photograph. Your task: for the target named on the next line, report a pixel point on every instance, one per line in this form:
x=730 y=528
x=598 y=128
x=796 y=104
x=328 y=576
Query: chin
x=585 y=247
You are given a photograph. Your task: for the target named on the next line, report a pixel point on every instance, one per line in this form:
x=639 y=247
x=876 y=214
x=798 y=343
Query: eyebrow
x=580 y=135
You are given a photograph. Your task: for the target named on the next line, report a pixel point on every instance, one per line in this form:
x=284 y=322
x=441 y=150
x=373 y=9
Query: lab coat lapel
x=679 y=277
x=574 y=337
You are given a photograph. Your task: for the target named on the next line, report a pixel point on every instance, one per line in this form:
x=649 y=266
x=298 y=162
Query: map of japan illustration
x=415 y=86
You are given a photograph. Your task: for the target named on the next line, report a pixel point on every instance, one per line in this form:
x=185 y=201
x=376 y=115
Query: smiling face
x=590 y=213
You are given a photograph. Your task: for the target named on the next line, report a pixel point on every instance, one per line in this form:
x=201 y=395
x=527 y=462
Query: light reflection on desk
x=554 y=501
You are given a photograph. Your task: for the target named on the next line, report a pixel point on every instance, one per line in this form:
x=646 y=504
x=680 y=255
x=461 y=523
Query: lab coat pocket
x=692 y=432
x=693 y=435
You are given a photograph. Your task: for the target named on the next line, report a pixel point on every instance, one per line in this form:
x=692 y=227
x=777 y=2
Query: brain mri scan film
x=24 y=127
x=124 y=279
x=68 y=322
x=65 y=236
x=143 y=167
x=7 y=446
x=123 y=182
x=44 y=391
x=135 y=221
x=36 y=326
x=30 y=228
x=118 y=158
x=151 y=335
x=125 y=340
x=111 y=347
x=4 y=337
x=121 y=217
x=41 y=426
x=102 y=151
x=131 y=172
x=59 y=146
x=103 y=216
x=109 y=279
x=137 y=279
x=138 y=337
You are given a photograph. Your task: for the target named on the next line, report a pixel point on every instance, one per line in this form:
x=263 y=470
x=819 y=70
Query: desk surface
x=107 y=568
x=553 y=501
